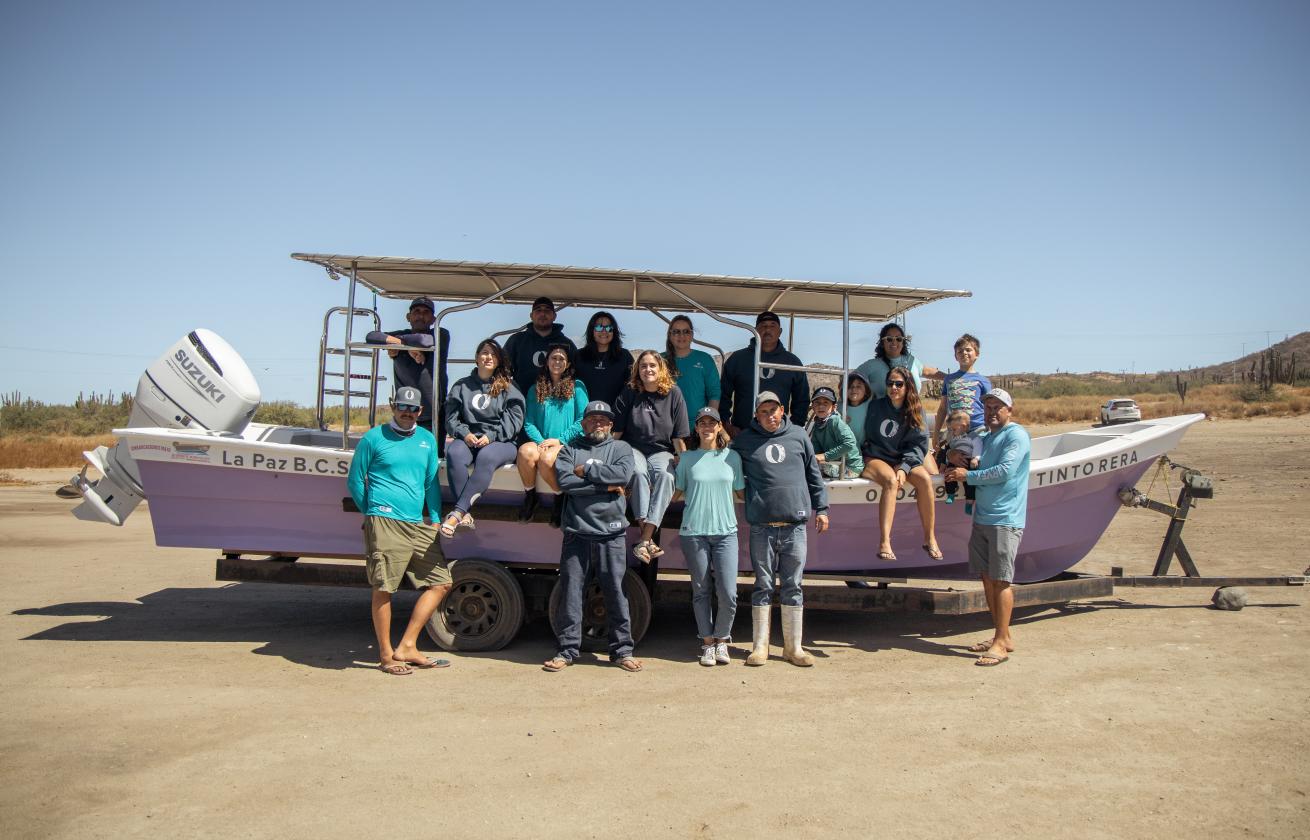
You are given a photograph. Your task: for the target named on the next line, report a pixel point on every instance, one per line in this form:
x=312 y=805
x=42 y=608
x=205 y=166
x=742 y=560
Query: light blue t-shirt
x=698 y=379
x=1002 y=478
x=707 y=478
x=392 y=474
x=875 y=370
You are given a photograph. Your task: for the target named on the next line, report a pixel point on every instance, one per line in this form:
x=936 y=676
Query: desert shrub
x=95 y=414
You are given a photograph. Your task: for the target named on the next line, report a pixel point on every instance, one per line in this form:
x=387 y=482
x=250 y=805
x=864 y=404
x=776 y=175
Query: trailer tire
x=594 y=634
x=483 y=611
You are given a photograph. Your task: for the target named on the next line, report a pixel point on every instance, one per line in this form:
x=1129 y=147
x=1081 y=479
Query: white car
x=1120 y=411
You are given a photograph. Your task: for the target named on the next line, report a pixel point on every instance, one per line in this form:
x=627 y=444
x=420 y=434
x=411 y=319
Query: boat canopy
x=604 y=288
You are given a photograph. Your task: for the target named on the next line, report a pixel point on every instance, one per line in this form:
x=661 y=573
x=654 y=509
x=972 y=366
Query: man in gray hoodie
x=593 y=470
x=783 y=487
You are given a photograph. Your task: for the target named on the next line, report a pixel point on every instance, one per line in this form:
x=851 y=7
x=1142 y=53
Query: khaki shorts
x=396 y=549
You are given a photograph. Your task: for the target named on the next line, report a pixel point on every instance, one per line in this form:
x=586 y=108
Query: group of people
x=610 y=433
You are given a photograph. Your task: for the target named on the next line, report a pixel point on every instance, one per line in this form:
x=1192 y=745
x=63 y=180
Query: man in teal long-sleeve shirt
x=1000 y=513
x=393 y=472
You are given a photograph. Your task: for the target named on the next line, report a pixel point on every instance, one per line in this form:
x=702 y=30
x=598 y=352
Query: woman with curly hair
x=484 y=415
x=554 y=417
x=895 y=446
x=603 y=363
x=651 y=416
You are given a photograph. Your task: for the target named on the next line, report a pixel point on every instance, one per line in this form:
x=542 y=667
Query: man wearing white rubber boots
x=783 y=487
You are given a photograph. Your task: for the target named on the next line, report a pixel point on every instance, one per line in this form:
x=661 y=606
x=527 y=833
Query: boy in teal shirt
x=834 y=442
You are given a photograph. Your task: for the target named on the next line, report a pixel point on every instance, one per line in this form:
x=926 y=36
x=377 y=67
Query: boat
x=216 y=480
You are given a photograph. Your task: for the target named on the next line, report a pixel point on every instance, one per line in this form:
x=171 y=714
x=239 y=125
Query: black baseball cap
x=422 y=301
x=767 y=316
x=544 y=301
x=825 y=392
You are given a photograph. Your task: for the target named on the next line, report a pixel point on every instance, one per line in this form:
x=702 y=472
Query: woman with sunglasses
x=651 y=417
x=602 y=363
x=893 y=350
x=896 y=443
x=694 y=370
x=554 y=417
x=484 y=414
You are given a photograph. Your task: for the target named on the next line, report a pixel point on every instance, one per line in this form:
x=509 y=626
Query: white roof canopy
x=603 y=288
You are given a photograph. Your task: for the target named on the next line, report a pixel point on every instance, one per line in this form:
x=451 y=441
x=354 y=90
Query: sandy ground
x=140 y=697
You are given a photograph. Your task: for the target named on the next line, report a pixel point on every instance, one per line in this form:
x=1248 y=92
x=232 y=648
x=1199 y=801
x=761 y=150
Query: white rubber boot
x=792 y=621
x=759 y=635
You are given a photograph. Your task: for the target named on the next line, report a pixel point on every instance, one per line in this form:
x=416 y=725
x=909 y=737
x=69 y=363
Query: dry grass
x=1223 y=401
x=24 y=451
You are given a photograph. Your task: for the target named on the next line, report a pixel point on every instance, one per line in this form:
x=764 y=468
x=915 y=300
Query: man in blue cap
x=593 y=470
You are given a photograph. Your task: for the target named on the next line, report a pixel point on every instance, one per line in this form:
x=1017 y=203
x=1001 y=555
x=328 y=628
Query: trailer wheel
x=483 y=611
x=594 y=634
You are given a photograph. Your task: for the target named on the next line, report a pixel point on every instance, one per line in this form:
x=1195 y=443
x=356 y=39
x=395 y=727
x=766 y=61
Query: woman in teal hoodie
x=555 y=406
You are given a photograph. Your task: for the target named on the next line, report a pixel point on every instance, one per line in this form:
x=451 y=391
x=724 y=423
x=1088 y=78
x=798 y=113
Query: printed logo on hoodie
x=766 y=373
x=481 y=401
x=539 y=358
x=889 y=428
x=775 y=453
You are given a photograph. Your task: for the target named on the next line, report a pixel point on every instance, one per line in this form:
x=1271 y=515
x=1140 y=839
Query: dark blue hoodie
x=526 y=350
x=783 y=482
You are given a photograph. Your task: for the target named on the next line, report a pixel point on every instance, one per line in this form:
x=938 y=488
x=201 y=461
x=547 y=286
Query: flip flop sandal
x=396 y=669
x=934 y=553
x=641 y=551
x=979 y=647
x=629 y=664
x=996 y=659
x=554 y=664
x=447 y=529
x=886 y=555
x=467 y=523
x=653 y=549
x=430 y=663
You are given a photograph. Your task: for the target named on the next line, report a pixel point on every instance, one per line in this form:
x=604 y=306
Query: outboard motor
x=200 y=383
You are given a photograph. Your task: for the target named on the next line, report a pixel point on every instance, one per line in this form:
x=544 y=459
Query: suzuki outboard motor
x=200 y=383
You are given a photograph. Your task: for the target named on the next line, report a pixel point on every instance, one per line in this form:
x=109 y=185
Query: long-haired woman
x=651 y=416
x=484 y=415
x=895 y=445
x=604 y=366
x=710 y=478
x=694 y=370
x=554 y=417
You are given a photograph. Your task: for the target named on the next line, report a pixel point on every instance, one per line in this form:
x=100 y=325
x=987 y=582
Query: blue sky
x=1123 y=186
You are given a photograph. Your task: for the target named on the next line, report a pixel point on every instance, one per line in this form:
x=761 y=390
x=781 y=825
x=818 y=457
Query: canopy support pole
x=350 y=323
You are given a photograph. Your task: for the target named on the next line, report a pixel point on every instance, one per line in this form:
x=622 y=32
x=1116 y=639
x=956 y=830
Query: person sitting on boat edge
x=739 y=378
x=783 y=488
x=554 y=416
x=960 y=450
x=652 y=417
x=392 y=474
x=963 y=389
x=603 y=364
x=593 y=470
x=527 y=348
x=858 y=396
x=893 y=350
x=413 y=368
x=693 y=370
x=999 y=517
x=895 y=449
x=484 y=415
x=837 y=452
x=710 y=477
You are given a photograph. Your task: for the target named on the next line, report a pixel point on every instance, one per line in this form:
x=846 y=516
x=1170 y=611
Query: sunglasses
x=406 y=407
x=606 y=328
x=896 y=383
x=893 y=338
x=679 y=332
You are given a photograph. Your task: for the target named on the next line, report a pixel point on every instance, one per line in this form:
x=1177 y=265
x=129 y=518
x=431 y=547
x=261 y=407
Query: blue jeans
x=652 y=486
x=486 y=460
x=607 y=561
x=716 y=555
x=778 y=550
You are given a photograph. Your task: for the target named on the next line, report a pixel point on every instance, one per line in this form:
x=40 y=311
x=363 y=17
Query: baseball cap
x=544 y=301
x=766 y=396
x=708 y=411
x=422 y=301
x=1000 y=394
x=825 y=392
x=599 y=407
x=407 y=395
x=766 y=316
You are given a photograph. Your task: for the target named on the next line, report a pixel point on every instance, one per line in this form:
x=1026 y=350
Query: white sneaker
x=707 y=655
x=721 y=654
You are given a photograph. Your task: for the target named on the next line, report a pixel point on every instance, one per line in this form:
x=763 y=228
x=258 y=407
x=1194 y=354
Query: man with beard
x=593 y=470
x=413 y=368
x=783 y=487
x=999 y=515
x=739 y=376
x=527 y=348
x=393 y=472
